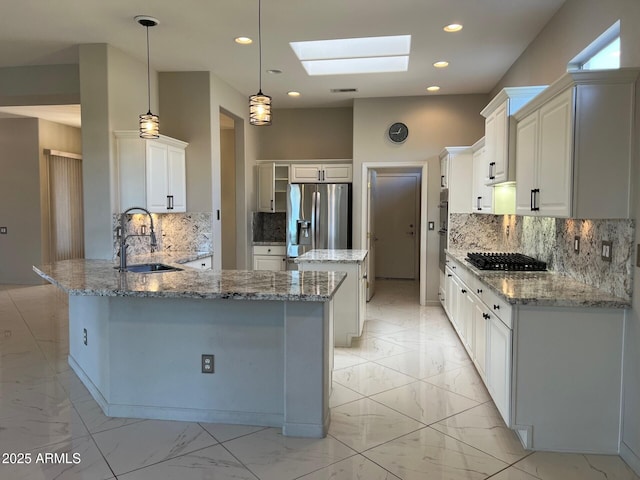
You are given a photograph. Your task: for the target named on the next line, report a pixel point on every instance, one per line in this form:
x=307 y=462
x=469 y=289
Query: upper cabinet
x=321 y=173
x=481 y=194
x=151 y=172
x=574 y=147
x=272 y=187
x=456 y=166
x=499 y=133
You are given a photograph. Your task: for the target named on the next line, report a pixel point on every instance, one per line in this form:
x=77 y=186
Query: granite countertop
x=100 y=277
x=332 y=256
x=542 y=288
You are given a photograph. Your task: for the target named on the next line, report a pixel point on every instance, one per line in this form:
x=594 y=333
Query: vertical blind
x=65 y=205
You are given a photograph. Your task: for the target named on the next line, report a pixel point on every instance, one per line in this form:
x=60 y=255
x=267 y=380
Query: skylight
x=354 y=55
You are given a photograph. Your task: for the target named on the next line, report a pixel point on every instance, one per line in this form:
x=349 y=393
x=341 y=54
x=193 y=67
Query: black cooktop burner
x=505 y=261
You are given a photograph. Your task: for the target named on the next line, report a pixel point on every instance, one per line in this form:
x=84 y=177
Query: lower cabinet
x=269 y=257
x=499 y=364
x=553 y=372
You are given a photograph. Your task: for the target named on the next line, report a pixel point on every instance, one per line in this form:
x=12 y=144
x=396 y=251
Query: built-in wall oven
x=444 y=222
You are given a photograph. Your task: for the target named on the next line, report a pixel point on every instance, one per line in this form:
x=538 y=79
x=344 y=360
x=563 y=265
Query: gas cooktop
x=505 y=261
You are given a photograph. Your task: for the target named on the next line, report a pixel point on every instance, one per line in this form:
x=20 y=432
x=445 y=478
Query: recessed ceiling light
x=454 y=27
x=441 y=64
x=293 y=94
x=243 y=40
x=274 y=71
x=433 y=88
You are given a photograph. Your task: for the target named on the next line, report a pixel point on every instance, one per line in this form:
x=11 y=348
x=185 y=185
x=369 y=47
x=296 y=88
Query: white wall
x=40 y=85
x=573 y=28
x=434 y=122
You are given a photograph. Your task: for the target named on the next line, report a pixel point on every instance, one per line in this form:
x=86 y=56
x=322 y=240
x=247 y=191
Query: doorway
x=228 y=205
x=415 y=172
x=397 y=211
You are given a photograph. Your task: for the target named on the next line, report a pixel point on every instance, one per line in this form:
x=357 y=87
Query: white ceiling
x=197 y=35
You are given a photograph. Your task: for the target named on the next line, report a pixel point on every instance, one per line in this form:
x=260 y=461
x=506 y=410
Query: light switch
x=432 y=226
x=3 y=230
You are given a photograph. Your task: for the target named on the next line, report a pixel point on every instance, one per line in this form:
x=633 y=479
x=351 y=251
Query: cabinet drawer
x=496 y=304
x=269 y=250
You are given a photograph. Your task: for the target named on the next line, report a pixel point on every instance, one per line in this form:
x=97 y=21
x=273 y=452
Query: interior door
x=397 y=206
x=371 y=234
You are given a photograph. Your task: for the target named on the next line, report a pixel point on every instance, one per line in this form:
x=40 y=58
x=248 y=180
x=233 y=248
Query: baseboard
x=629 y=456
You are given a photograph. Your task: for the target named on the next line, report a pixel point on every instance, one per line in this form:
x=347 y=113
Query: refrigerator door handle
x=313 y=220
x=316 y=226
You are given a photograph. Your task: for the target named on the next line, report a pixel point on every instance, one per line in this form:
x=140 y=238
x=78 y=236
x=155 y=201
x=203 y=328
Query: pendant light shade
x=260 y=104
x=149 y=123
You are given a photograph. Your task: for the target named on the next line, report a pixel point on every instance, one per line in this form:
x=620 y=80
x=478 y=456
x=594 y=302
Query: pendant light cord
x=148 y=72
x=260 y=42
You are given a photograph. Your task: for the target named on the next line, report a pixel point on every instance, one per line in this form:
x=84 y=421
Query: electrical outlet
x=84 y=336
x=606 y=251
x=207 y=363
x=3 y=230
x=432 y=225
x=576 y=244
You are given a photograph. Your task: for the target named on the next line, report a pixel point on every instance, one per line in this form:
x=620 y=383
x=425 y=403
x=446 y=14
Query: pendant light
x=149 y=123
x=260 y=104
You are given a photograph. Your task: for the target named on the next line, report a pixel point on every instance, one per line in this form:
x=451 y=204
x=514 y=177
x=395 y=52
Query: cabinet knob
x=464 y=291
x=496 y=307
x=449 y=275
x=479 y=290
x=453 y=267
x=268 y=250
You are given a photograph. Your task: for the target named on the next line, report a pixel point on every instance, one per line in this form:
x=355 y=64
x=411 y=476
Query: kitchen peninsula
x=137 y=340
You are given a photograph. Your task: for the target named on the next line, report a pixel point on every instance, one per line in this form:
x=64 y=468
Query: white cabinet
x=321 y=173
x=574 y=147
x=200 y=264
x=456 y=175
x=269 y=257
x=499 y=133
x=499 y=365
x=151 y=173
x=272 y=187
x=480 y=328
x=481 y=193
x=349 y=303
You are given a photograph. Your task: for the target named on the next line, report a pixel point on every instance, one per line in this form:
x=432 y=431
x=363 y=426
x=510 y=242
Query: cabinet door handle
x=169 y=202
x=449 y=275
x=478 y=207
x=323 y=175
x=442 y=181
x=536 y=200
x=464 y=291
x=491 y=166
x=272 y=205
x=318 y=175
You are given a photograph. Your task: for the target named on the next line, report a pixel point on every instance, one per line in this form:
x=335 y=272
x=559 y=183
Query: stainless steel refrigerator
x=318 y=216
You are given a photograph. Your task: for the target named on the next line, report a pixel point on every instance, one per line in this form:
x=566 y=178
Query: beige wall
x=53 y=136
x=113 y=91
x=572 y=29
x=19 y=201
x=299 y=134
x=434 y=122
x=184 y=99
x=40 y=85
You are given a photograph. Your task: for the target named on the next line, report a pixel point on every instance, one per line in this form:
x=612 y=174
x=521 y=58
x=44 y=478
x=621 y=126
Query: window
x=603 y=53
x=608 y=57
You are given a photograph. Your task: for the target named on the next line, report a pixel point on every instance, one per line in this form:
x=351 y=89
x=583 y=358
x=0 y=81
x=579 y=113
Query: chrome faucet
x=124 y=236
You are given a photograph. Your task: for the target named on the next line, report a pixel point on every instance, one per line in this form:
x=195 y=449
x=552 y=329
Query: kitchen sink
x=151 y=268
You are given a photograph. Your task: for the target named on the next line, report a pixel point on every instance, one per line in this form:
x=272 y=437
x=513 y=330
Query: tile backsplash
x=552 y=240
x=175 y=232
x=269 y=227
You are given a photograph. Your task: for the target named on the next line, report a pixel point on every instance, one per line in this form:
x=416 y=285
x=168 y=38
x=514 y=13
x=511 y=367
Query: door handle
x=491 y=167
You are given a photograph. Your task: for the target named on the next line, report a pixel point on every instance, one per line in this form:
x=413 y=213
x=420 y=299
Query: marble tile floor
x=406 y=404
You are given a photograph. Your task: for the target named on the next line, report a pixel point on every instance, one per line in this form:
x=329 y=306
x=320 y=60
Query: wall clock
x=398 y=132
